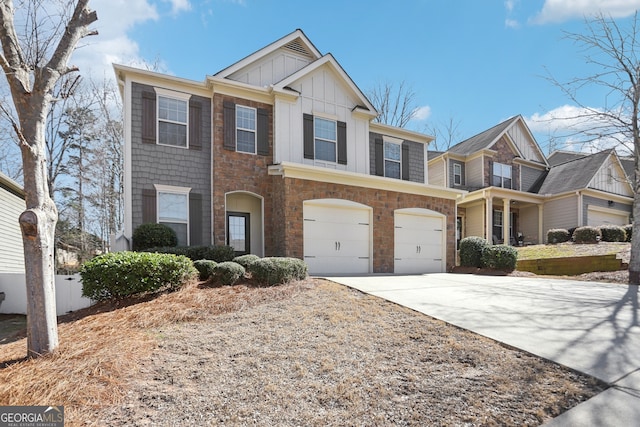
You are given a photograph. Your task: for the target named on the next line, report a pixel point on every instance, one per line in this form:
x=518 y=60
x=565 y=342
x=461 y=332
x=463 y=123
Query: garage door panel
x=597 y=218
x=418 y=244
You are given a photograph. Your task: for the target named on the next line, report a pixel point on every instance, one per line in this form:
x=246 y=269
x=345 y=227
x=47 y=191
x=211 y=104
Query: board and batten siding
x=11 y=249
x=561 y=213
x=610 y=178
x=322 y=94
x=272 y=68
x=522 y=140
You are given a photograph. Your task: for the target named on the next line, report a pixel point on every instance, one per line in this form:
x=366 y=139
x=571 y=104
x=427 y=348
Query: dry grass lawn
x=306 y=353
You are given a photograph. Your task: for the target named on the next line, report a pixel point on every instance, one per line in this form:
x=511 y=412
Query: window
x=457 y=174
x=501 y=175
x=325 y=135
x=497 y=226
x=238 y=232
x=245 y=129
x=173 y=210
x=172 y=118
x=392 y=160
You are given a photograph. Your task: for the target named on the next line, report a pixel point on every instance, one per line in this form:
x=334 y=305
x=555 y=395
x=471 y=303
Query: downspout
x=580 y=209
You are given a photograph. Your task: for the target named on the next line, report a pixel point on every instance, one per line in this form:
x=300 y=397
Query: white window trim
x=180 y=96
x=502 y=177
x=394 y=141
x=255 y=131
x=457 y=166
x=335 y=142
x=173 y=190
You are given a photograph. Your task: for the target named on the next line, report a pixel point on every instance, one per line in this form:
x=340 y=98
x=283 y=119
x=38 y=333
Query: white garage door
x=419 y=242
x=337 y=236
x=602 y=216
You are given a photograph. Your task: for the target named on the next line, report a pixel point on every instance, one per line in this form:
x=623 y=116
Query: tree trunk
x=38 y=225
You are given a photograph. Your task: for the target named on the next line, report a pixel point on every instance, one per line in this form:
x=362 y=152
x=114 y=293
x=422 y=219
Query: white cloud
x=574 y=128
x=511 y=23
x=422 y=113
x=178 y=6
x=555 y=11
x=510 y=5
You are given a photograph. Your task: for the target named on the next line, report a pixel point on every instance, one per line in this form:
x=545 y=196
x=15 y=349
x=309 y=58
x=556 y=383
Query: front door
x=238 y=232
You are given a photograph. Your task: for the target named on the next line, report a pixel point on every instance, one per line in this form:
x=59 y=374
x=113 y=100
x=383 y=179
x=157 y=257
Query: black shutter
x=195 y=219
x=379 y=154
x=308 y=136
x=149 y=214
x=229 y=125
x=148 y=117
x=195 y=125
x=263 y=132
x=342 y=143
x=405 y=161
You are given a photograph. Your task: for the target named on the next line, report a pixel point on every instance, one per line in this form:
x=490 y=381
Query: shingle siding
x=164 y=165
x=416 y=158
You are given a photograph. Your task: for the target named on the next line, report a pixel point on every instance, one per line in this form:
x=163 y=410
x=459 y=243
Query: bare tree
x=447 y=134
x=613 y=52
x=396 y=105
x=33 y=64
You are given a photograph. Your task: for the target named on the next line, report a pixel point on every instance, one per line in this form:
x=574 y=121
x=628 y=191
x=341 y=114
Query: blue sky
x=471 y=61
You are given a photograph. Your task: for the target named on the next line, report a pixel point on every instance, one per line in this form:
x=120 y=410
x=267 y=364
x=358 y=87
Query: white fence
x=68 y=294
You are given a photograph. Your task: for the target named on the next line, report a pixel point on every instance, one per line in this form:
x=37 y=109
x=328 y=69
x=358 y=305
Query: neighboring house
x=514 y=190
x=278 y=155
x=12 y=204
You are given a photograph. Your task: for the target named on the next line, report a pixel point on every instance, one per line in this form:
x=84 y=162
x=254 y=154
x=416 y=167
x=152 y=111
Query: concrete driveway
x=590 y=327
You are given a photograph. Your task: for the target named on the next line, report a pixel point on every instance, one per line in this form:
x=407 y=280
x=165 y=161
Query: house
x=278 y=155
x=514 y=191
x=12 y=204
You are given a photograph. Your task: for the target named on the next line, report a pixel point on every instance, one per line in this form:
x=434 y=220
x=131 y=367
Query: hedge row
x=477 y=252
x=195 y=253
x=605 y=233
x=268 y=271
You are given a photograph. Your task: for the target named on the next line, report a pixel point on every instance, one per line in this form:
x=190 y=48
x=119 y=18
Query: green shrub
x=586 y=235
x=501 y=257
x=246 y=260
x=150 y=235
x=471 y=251
x=277 y=270
x=612 y=233
x=228 y=273
x=206 y=268
x=120 y=274
x=558 y=235
x=213 y=253
x=628 y=229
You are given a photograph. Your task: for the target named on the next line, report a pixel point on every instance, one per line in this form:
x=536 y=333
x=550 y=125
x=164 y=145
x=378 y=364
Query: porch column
x=488 y=216
x=506 y=220
x=540 y=224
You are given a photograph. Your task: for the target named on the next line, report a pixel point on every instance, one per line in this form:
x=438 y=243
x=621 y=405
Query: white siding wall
x=11 y=249
x=272 y=68
x=560 y=213
x=474 y=173
x=322 y=94
x=611 y=179
x=522 y=140
x=436 y=172
x=474 y=225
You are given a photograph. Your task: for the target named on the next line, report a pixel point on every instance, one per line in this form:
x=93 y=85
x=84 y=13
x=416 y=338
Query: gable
x=524 y=141
x=323 y=92
x=611 y=178
x=275 y=66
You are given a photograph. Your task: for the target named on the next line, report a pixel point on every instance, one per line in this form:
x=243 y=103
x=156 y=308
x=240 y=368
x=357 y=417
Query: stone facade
x=503 y=155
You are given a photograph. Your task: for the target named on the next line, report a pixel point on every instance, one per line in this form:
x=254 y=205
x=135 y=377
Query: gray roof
x=434 y=154
x=574 y=174
x=559 y=157
x=482 y=140
x=629 y=166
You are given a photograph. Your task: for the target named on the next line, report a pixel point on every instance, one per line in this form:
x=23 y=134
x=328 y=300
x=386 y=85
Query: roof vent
x=297 y=46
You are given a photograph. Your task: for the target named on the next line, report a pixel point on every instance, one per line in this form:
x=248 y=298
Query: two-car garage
x=338 y=238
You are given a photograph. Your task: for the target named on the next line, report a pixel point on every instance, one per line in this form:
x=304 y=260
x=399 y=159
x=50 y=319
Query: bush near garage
x=246 y=260
x=500 y=257
x=471 y=249
x=278 y=270
x=206 y=268
x=558 y=235
x=586 y=235
x=612 y=233
x=122 y=274
x=628 y=229
x=195 y=253
x=228 y=273
x=149 y=235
